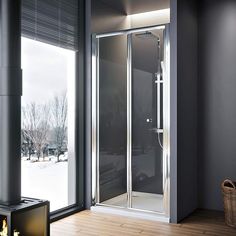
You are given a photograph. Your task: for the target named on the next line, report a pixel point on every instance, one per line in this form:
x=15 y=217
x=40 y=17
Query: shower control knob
x=149 y=120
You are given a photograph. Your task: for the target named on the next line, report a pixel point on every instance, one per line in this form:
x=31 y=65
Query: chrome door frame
x=95 y=120
x=129 y=120
x=166 y=117
x=166 y=122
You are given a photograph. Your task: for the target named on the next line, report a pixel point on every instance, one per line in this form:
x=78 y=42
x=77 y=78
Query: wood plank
x=100 y=224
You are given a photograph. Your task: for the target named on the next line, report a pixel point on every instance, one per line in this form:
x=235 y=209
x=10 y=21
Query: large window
x=50 y=34
x=48 y=127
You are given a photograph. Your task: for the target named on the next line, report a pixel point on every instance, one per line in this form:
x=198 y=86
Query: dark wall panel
x=187 y=78
x=217 y=99
x=173 y=111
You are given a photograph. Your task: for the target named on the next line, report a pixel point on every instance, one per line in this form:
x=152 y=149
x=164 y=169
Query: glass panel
x=48 y=103
x=112 y=120
x=147 y=169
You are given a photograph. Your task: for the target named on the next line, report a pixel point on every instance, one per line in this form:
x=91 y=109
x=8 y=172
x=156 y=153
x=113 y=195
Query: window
x=49 y=50
x=48 y=170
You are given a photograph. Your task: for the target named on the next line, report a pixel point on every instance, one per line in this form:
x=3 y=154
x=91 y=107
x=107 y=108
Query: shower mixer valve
x=149 y=120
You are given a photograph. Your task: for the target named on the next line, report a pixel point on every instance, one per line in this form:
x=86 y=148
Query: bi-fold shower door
x=130 y=119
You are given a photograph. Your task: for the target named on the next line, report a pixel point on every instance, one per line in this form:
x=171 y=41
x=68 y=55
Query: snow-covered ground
x=46 y=180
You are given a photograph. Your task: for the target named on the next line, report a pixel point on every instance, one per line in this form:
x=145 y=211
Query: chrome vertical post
x=95 y=120
x=129 y=120
x=166 y=122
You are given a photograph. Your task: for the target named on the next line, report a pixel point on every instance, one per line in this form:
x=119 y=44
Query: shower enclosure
x=131 y=120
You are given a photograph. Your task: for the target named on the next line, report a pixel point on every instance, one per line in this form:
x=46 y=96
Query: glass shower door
x=130 y=120
x=112 y=161
x=147 y=125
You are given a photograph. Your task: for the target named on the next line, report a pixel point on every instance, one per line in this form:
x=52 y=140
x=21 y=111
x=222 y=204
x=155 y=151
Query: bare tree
x=26 y=144
x=59 y=109
x=36 y=125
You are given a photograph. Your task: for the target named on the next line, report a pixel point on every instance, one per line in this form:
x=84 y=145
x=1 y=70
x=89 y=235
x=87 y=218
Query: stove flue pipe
x=10 y=101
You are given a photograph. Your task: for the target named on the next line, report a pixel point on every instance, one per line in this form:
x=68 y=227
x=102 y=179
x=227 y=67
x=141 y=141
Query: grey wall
x=136 y=6
x=160 y=17
x=109 y=16
x=187 y=78
x=106 y=18
x=206 y=35
x=217 y=99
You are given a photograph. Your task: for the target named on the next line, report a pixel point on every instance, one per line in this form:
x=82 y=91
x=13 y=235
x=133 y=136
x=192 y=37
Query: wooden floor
x=91 y=223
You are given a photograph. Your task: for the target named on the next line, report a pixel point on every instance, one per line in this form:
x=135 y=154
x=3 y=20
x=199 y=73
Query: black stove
x=30 y=217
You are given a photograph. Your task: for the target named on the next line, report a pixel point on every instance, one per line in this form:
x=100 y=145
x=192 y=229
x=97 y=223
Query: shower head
x=147 y=35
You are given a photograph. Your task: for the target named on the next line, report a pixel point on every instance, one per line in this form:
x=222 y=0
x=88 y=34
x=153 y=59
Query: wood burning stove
x=18 y=216
x=28 y=218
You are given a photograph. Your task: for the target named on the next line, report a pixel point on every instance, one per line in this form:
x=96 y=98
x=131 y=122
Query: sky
x=47 y=71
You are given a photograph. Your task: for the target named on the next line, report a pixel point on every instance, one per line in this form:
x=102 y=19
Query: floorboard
x=99 y=224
